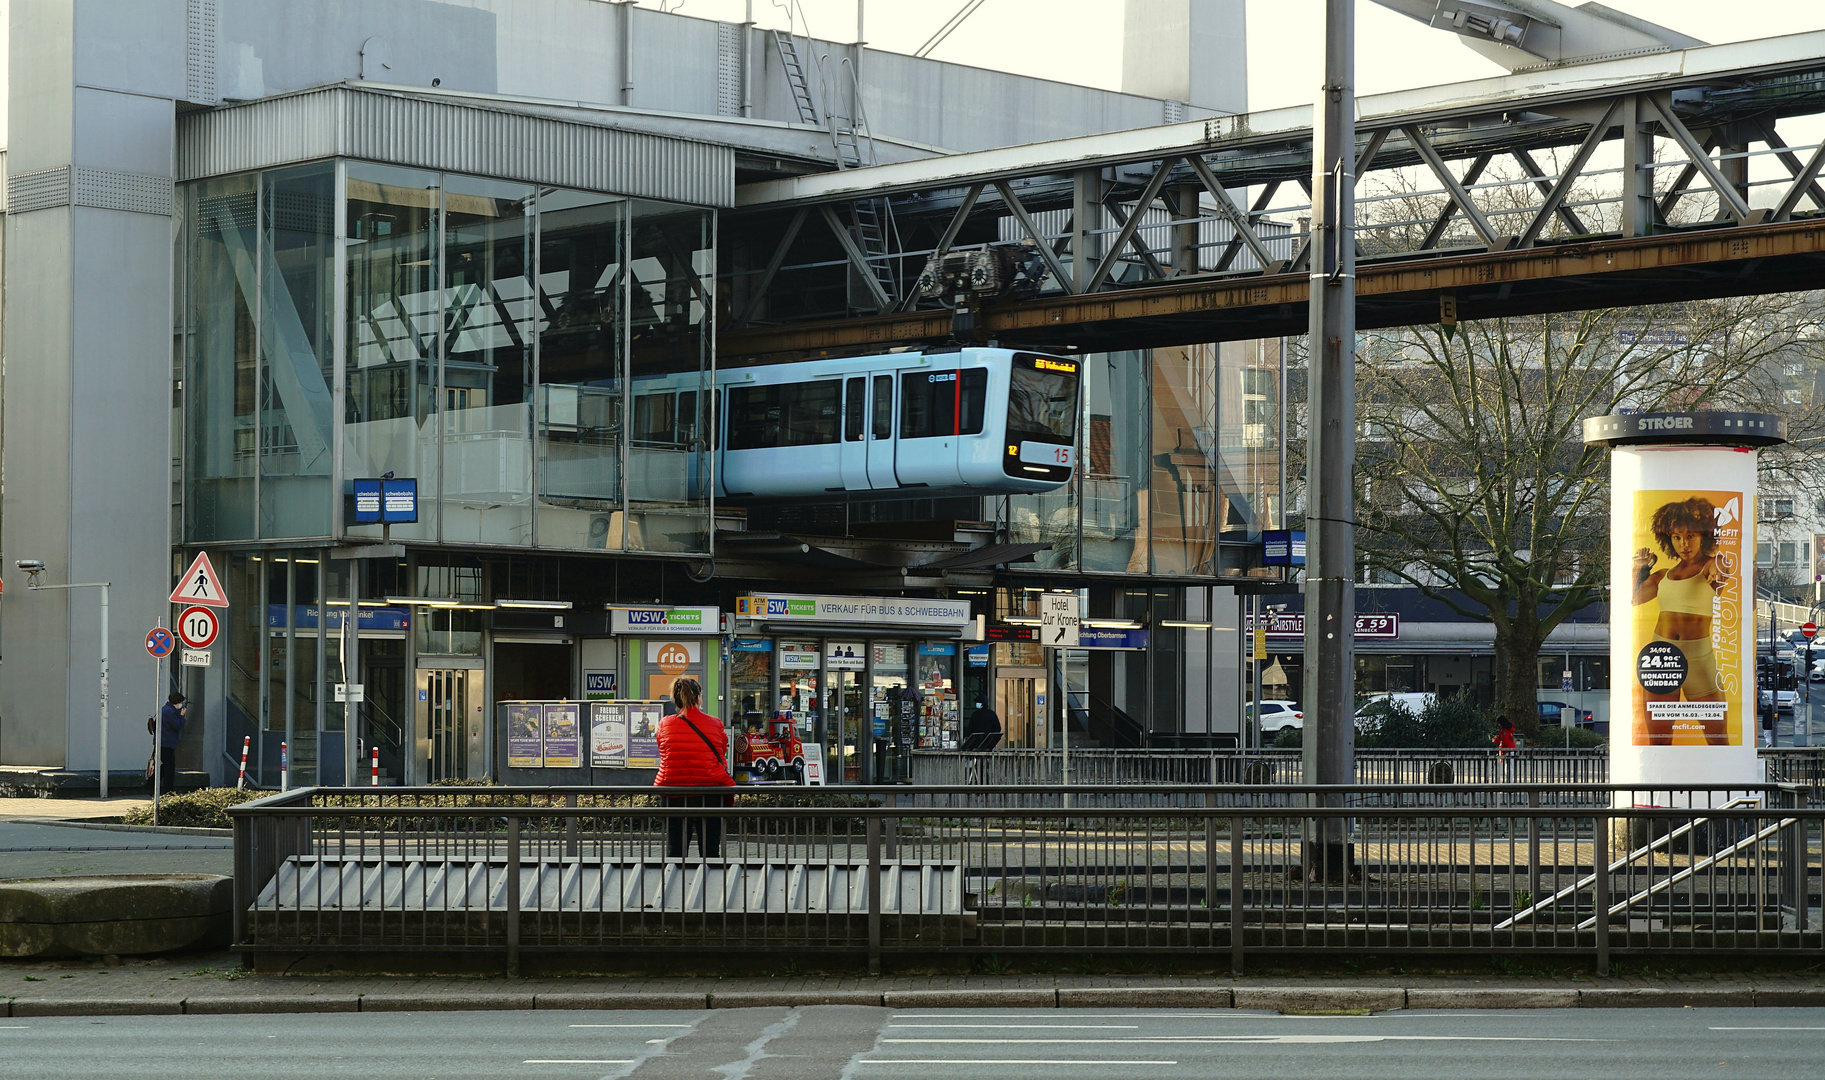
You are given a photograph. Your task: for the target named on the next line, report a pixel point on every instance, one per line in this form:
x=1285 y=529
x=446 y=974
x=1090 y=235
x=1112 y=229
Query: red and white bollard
x=376 y=772
x=241 y=781
x=284 y=777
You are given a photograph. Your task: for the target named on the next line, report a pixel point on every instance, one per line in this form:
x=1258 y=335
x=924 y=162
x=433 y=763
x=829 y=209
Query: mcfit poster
x=1688 y=686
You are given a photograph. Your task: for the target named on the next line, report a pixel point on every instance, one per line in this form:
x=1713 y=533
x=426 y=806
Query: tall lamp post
x=34 y=567
x=1330 y=576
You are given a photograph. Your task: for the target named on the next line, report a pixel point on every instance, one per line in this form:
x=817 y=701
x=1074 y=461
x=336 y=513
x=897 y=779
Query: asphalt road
x=31 y=849
x=1790 y=728
x=857 y=1043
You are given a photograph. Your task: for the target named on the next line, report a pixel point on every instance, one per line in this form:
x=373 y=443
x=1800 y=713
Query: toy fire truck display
x=774 y=752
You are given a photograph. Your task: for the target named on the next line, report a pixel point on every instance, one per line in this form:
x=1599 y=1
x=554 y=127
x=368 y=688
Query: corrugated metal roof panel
x=803 y=886
x=345 y=121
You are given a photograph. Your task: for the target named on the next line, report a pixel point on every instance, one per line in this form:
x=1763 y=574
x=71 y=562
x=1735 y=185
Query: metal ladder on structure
x=872 y=225
x=795 y=76
x=873 y=218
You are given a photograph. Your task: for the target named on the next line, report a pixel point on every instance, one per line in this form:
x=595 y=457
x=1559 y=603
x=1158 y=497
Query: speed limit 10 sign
x=197 y=627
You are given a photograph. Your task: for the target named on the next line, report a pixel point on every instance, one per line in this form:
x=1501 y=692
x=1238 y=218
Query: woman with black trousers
x=692 y=749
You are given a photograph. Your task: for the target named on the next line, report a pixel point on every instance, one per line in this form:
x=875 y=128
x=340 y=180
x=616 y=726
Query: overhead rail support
x=1206 y=217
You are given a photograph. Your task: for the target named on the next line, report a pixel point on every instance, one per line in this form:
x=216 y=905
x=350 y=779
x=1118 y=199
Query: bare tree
x=1474 y=483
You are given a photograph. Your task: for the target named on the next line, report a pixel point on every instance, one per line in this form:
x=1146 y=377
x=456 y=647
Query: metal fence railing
x=1586 y=871
x=1802 y=765
x=1103 y=765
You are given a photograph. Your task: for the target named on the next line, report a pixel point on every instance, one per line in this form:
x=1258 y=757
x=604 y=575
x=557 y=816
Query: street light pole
x=1330 y=590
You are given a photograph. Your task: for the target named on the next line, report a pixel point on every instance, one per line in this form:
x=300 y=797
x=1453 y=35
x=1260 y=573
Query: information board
x=608 y=734
x=643 y=733
x=563 y=741
x=525 y=734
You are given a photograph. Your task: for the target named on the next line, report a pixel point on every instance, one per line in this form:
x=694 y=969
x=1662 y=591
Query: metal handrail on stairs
x=1624 y=861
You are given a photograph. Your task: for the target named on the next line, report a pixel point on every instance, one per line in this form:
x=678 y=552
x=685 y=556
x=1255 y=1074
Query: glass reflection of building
x=478 y=335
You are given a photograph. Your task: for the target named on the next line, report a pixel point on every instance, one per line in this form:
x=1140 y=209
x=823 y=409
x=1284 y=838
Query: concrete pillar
x=91 y=87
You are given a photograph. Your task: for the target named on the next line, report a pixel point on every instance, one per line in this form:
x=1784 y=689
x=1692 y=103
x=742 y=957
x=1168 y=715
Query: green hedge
x=205 y=809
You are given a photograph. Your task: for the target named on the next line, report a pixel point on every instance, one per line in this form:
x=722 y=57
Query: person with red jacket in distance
x=692 y=750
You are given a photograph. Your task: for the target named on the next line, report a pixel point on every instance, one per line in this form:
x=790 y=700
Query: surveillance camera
x=30 y=566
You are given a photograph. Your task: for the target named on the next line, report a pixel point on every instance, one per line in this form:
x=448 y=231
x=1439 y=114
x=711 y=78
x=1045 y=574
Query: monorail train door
x=868 y=449
x=853 y=453
x=880 y=435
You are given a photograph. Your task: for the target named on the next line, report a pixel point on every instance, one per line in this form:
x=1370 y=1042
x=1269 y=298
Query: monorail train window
x=1042 y=398
x=883 y=406
x=854 y=420
x=929 y=400
x=653 y=418
x=797 y=414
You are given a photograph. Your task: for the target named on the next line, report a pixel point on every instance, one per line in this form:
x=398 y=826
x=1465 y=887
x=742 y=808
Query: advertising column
x=1682 y=635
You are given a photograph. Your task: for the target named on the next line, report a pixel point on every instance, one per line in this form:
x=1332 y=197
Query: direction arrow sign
x=199 y=585
x=198 y=626
x=160 y=643
x=1058 y=620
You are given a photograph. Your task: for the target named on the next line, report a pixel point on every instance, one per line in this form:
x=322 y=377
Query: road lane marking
x=1214 y=1014
x=1026 y=1027
x=629 y=1025
x=578 y=1061
x=1768 y=1029
x=1005 y=1061
x=1126 y=1039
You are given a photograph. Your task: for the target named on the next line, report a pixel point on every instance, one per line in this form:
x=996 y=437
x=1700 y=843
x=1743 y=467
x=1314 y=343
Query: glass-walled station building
x=277 y=256
x=345 y=320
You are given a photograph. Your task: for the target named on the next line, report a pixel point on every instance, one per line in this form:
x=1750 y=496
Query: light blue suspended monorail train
x=974 y=421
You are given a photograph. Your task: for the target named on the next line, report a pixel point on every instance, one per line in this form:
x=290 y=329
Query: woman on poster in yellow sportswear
x=1686 y=531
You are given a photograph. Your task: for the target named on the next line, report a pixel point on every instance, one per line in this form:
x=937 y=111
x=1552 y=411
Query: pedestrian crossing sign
x=200 y=585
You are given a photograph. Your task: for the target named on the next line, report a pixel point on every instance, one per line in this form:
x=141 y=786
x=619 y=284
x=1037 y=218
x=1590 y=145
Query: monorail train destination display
x=1682 y=635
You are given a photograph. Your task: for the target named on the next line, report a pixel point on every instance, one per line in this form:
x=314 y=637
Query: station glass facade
x=541 y=361
x=537 y=358
x=1179 y=465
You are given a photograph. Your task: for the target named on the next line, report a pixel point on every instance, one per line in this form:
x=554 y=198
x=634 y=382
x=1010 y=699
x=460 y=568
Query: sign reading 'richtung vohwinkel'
x=880 y=610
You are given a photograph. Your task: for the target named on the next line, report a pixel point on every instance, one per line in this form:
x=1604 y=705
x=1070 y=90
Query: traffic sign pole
x=158 y=718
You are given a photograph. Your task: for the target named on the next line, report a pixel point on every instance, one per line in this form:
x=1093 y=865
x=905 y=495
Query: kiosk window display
x=940 y=727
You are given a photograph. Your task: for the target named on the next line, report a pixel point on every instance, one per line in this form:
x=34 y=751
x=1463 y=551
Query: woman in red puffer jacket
x=692 y=749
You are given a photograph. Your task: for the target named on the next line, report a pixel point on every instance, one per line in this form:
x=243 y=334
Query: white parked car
x=1416 y=703
x=1278 y=716
x=1784 y=700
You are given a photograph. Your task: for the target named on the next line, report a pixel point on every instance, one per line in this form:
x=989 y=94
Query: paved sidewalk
x=70 y=809
x=213 y=983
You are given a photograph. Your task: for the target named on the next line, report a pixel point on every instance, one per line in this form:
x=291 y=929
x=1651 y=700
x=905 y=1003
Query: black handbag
x=707 y=744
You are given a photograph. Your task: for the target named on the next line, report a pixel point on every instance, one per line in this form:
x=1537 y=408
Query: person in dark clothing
x=170 y=727
x=983 y=730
